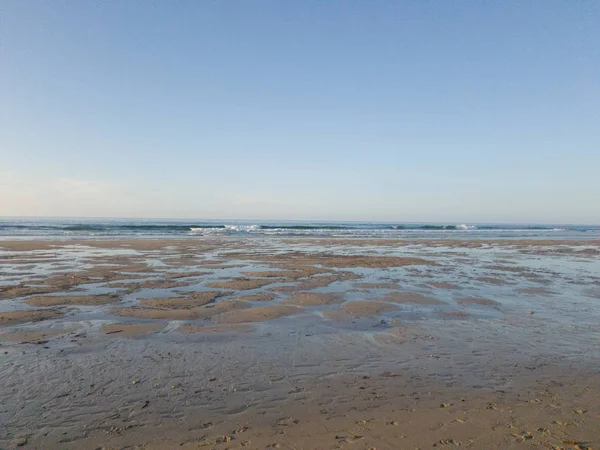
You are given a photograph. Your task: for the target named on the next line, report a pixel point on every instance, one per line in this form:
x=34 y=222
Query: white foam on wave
x=465 y=227
x=245 y=228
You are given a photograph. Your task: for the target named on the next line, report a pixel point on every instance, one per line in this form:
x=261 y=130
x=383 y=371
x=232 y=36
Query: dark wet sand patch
x=177 y=275
x=135 y=268
x=242 y=284
x=85 y=300
x=476 y=301
x=194 y=300
x=513 y=269
x=306 y=285
x=313 y=299
x=35 y=337
x=219 y=328
x=130 y=330
x=220 y=266
x=536 y=291
x=30 y=315
x=7 y=292
x=129 y=285
x=26 y=263
x=411 y=297
x=315 y=282
x=288 y=288
x=593 y=293
x=259 y=314
x=336 y=261
x=383 y=285
x=66 y=281
x=170 y=244
x=449 y=243
x=443 y=285
x=345 y=275
x=492 y=280
x=27 y=246
x=287 y=274
x=69 y=280
x=162 y=284
x=204 y=312
x=306 y=269
x=395 y=335
x=461 y=315
x=152 y=313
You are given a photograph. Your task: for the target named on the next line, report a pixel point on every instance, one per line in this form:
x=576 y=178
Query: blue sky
x=341 y=110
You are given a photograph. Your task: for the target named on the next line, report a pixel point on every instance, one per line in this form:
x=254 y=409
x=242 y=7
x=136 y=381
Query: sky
x=323 y=110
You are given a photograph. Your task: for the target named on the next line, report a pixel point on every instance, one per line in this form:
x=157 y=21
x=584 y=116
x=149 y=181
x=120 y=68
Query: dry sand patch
x=315 y=282
x=85 y=300
x=30 y=315
x=260 y=297
x=361 y=308
x=313 y=299
x=20 y=290
x=307 y=270
x=204 y=312
x=259 y=314
x=196 y=299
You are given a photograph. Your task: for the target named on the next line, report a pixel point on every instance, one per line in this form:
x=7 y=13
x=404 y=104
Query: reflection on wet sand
x=303 y=343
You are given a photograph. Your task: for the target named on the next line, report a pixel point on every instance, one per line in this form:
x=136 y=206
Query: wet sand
x=196 y=299
x=130 y=330
x=178 y=313
x=31 y=315
x=242 y=284
x=313 y=299
x=258 y=314
x=56 y=300
x=476 y=301
x=411 y=297
x=304 y=343
x=358 y=309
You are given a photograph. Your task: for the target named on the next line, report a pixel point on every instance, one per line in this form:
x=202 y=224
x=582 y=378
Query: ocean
x=97 y=228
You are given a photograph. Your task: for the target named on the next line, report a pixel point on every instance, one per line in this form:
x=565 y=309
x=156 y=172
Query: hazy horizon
x=191 y=220
x=336 y=111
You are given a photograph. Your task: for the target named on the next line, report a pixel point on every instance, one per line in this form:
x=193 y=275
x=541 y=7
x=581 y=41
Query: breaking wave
x=118 y=227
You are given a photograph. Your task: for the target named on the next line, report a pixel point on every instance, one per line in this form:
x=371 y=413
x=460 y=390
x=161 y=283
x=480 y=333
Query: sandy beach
x=303 y=343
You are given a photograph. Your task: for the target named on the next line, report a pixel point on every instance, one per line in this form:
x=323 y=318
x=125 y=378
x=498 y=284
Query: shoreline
x=299 y=343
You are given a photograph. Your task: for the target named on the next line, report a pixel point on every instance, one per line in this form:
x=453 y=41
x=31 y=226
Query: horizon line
x=295 y=220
